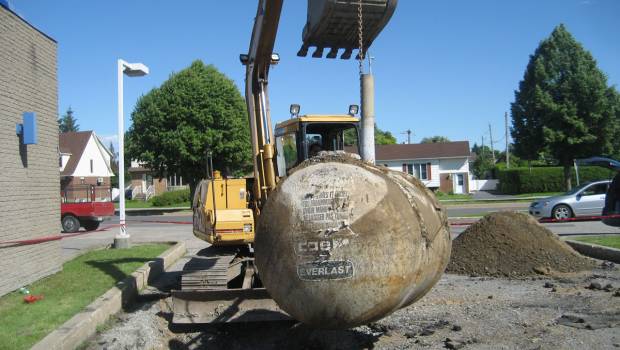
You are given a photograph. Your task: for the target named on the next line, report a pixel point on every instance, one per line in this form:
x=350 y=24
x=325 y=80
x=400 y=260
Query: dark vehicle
x=85 y=206
x=612 y=198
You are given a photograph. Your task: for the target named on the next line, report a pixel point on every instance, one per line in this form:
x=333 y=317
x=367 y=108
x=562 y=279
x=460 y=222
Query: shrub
x=171 y=198
x=545 y=179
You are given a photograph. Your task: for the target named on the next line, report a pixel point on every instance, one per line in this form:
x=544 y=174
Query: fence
x=483 y=185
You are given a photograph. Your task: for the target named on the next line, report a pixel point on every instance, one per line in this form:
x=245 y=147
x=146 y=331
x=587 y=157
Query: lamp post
x=131 y=70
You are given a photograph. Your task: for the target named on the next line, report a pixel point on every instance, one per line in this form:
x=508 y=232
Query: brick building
x=30 y=191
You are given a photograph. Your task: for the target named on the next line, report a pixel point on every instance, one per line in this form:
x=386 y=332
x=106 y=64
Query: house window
x=408 y=168
x=421 y=171
x=91 y=166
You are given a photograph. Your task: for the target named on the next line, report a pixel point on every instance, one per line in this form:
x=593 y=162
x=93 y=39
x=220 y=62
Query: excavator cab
x=303 y=137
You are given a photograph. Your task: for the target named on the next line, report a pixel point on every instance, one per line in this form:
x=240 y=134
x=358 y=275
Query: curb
x=596 y=251
x=514 y=199
x=83 y=325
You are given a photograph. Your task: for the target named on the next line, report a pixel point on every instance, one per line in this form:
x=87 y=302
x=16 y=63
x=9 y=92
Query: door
x=591 y=200
x=459 y=186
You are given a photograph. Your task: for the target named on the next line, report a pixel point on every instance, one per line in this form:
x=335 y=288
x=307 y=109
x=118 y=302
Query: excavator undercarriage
x=221 y=284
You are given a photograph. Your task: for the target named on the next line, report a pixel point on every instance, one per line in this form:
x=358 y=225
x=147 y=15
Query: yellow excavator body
x=221 y=213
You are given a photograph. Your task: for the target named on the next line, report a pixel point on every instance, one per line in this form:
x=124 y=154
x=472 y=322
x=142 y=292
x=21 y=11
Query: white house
x=84 y=161
x=443 y=166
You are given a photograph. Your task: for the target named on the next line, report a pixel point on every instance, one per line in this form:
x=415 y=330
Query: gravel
x=456 y=314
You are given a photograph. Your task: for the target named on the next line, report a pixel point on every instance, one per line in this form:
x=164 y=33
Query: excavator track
x=223 y=288
x=210 y=273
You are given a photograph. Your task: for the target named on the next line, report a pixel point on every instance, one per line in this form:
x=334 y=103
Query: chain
x=360 y=36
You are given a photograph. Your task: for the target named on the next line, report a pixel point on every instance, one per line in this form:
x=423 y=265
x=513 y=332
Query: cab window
x=286 y=146
x=329 y=137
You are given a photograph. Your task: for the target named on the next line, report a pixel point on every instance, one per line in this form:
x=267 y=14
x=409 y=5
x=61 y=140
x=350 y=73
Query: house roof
x=422 y=151
x=73 y=143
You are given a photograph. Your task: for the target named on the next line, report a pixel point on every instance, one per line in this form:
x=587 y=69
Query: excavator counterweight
x=332 y=25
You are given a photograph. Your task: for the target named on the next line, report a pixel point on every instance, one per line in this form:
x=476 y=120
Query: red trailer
x=85 y=206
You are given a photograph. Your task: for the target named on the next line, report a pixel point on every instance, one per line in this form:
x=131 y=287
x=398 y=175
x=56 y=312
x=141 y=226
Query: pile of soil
x=509 y=244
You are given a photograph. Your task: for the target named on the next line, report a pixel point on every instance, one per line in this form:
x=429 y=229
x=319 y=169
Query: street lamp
x=131 y=70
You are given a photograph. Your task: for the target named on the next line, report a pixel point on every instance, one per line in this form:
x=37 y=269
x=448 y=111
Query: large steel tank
x=341 y=243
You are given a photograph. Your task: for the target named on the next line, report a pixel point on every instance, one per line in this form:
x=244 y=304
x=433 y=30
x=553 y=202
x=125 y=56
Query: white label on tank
x=329 y=197
x=327 y=270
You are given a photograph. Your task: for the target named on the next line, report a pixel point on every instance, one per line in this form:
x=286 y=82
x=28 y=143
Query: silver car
x=585 y=200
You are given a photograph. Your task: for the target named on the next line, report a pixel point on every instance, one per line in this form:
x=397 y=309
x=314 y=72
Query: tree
x=563 y=107
x=483 y=163
x=435 y=139
x=67 y=122
x=381 y=137
x=196 y=110
x=615 y=97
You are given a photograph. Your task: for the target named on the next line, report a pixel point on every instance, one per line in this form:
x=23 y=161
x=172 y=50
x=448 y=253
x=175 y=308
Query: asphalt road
x=177 y=227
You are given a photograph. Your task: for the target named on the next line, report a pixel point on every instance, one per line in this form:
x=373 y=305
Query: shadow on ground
x=267 y=335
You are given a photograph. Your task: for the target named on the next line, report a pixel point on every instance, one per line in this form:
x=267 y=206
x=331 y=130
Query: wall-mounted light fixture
x=28 y=129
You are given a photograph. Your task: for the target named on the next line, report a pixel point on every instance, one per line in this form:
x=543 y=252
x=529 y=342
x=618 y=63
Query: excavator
x=225 y=286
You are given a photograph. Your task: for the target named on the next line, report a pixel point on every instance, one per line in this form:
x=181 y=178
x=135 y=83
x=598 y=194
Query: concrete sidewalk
x=73 y=246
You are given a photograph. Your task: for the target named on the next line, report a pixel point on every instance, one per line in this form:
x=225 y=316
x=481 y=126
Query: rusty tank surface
x=342 y=243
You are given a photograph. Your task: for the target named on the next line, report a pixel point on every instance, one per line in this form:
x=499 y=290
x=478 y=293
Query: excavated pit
x=514 y=245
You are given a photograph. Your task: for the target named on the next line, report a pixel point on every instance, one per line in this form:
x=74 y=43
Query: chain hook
x=360 y=36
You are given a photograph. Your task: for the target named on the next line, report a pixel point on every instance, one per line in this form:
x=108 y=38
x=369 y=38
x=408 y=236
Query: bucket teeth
x=346 y=54
x=333 y=53
x=318 y=53
x=303 y=51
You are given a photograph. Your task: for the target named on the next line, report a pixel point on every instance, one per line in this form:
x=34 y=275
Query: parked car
x=585 y=200
x=85 y=206
x=612 y=199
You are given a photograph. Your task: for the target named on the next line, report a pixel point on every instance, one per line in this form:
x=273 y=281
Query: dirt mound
x=509 y=244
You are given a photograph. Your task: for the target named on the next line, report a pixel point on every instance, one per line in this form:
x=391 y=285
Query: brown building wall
x=445 y=183
x=160 y=186
x=29 y=177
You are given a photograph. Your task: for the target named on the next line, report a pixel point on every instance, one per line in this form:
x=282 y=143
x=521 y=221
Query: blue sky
x=442 y=67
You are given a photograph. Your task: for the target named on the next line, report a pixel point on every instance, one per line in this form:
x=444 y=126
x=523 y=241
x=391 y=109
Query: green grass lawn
x=608 y=241
x=453 y=196
x=538 y=194
x=81 y=281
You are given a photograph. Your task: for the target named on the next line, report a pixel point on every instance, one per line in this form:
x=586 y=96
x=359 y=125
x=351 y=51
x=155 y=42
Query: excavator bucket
x=334 y=25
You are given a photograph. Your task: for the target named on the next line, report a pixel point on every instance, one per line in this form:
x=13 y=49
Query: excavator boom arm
x=259 y=59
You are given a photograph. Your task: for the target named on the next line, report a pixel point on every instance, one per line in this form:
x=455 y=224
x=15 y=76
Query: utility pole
x=507 y=143
x=492 y=150
x=408 y=132
x=482 y=149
